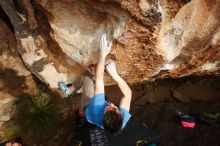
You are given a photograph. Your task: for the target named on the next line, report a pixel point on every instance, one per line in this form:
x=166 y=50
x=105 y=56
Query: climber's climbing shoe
x=63 y=87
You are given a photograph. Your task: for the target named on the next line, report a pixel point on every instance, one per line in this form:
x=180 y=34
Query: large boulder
x=15 y=79
x=59 y=39
x=149 y=36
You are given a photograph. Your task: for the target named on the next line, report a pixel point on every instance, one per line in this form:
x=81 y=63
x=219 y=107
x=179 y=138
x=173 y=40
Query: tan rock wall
x=151 y=39
x=14 y=77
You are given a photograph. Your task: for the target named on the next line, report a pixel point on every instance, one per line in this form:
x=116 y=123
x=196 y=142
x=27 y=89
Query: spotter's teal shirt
x=95 y=111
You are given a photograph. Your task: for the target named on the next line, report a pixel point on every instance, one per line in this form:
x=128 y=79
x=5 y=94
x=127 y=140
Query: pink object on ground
x=187 y=124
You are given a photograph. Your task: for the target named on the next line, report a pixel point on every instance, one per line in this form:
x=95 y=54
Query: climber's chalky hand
x=105 y=46
x=111 y=69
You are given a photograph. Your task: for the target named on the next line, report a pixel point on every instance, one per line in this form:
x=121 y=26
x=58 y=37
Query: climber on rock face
x=98 y=111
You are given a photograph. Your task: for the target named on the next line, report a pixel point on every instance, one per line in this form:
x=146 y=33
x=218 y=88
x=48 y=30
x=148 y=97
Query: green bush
x=40 y=116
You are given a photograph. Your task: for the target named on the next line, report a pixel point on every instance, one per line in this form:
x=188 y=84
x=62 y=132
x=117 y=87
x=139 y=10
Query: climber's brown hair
x=112 y=121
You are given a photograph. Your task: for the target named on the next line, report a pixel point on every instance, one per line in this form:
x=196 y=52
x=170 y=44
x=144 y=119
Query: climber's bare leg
x=72 y=87
x=88 y=91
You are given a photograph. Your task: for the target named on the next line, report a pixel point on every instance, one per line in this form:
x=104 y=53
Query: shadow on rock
x=11 y=83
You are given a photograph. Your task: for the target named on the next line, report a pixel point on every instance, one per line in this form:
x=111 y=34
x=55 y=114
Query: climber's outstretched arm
x=126 y=100
x=105 y=48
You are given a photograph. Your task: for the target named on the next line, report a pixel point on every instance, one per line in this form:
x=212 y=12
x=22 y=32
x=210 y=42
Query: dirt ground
x=155 y=104
x=161 y=118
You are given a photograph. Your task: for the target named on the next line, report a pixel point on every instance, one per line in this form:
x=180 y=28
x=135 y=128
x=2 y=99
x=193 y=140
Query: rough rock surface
x=6 y=109
x=14 y=77
x=58 y=39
